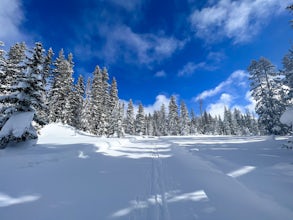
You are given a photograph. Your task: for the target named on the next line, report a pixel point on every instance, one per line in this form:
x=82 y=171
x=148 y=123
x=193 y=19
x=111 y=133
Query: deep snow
x=74 y=175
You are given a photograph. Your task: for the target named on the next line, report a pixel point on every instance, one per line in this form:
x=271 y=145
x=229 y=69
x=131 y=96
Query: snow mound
x=287 y=117
x=18 y=126
x=58 y=130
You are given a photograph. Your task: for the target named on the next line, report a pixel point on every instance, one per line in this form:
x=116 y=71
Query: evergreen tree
x=193 y=124
x=129 y=121
x=35 y=70
x=227 y=122
x=105 y=108
x=162 y=126
x=184 y=119
x=86 y=108
x=3 y=66
x=288 y=72
x=61 y=88
x=96 y=106
x=80 y=90
x=47 y=69
x=140 y=121
x=13 y=75
x=114 y=110
x=268 y=103
x=173 y=119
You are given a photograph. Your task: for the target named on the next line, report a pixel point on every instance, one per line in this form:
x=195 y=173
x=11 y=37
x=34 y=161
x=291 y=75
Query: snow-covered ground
x=73 y=175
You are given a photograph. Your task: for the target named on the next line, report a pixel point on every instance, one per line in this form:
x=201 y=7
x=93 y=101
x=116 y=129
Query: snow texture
x=287 y=117
x=18 y=124
x=73 y=175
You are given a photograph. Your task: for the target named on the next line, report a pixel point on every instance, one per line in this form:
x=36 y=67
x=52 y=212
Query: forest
x=33 y=81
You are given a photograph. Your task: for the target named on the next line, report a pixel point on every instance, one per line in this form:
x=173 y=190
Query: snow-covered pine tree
x=35 y=70
x=268 y=103
x=140 y=121
x=105 y=110
x=116 y=126
x=80 y=90
x=162 y=121
x=74 y=104
x=48 y=71
x=193 y=124
x=227 y=122
x=114 y=109
x=61 y=88
x=184 y=119
x=13 y=71
x=173 y=118
x=3 y=88
x=237 y=122
x=97 y=100
x=3 y=66
x=149 y=130
x=25 y=94
x=288 y=72
x=48 y=80
x=156 y=123
x=85 y=113
x=119 y=131
x=129 y=120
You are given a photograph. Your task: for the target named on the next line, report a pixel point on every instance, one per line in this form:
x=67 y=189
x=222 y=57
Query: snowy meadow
x=68 y=174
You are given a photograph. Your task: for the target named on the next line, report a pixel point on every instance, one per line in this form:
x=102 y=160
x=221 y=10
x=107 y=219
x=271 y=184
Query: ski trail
x=159 y=206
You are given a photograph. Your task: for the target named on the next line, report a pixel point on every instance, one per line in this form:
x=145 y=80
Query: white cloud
x=160 y=100
x=161 y=73
x=129 y=5
x=190 y=67
x=11 y=17
x=140 y=48
x=237 y=20
x=156 y=106
x=227 y=100
x=212 y=63
x=252 y=103
x=216 y=57
x=238 y=77
x=217 y=109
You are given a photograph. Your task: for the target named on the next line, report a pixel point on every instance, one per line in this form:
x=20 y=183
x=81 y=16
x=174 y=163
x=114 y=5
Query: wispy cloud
x=122 y=43
x=11 y=18
x=211 y=63
x=160 y=74
x=237 y=20
x=189 y=68
x=237 y=77
x=129 y=5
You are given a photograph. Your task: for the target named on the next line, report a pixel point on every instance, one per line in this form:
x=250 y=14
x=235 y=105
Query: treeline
x=31 y=81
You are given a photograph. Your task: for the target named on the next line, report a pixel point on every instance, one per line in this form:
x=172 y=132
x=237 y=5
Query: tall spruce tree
x=268 y=103
x=173 y=118
x=184 y=119
x=288 y=72
x=140 y=121
x=35 y=71
x=96 y=106
x=86 y=108
x=129 y=120
x=61 y=88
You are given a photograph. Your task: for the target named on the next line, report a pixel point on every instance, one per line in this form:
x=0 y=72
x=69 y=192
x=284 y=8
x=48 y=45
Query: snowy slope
x=73 y=175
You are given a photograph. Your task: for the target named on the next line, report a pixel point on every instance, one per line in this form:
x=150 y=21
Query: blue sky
x=157 y=48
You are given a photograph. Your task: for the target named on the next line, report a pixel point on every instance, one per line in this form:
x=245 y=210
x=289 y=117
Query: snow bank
x=287 y=117
x=19 y=125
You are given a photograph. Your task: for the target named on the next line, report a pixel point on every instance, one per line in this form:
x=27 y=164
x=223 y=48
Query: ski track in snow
x=72 y=175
